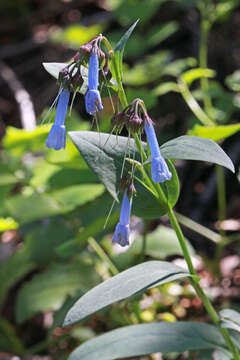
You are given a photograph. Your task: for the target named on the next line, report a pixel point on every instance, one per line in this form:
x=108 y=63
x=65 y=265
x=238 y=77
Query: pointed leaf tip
x=121 y=44
x=188 y=147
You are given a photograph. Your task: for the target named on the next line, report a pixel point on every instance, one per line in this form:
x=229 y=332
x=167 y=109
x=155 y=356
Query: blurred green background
x=52 y=207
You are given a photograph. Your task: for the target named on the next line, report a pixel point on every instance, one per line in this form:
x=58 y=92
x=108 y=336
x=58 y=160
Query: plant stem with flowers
x=156 y=172
x=174 y=222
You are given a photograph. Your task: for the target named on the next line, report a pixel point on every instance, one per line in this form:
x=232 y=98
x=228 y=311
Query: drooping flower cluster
x=70 y=80
x=135 y=118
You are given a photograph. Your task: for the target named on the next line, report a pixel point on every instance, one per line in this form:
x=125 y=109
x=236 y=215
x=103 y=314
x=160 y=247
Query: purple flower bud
x=93 y=71
x=57 y=135
x=93 y=101
x=122 y=231
x=159 y=168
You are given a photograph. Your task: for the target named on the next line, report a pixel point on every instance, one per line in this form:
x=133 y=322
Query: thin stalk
x=182 y=241
x=101 y=253
x=144 y=240
x=207 y=102
x=221 y=195
x=206 y=302
x=205 y=27
x=198 y=228
x=193 y=104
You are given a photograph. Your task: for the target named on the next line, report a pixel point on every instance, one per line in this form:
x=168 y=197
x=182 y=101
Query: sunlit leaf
x=215 y=133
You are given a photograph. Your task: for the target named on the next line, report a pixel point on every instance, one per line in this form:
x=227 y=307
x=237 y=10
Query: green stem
x=182 y=241
x=206 y=302
x=101 y=253
x=205 y=27
x=221 y=195
x=221 y=185
x=144 y=240
x=193 y=104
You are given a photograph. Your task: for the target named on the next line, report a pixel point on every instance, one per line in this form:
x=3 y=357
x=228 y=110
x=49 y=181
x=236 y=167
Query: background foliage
x=54 y=242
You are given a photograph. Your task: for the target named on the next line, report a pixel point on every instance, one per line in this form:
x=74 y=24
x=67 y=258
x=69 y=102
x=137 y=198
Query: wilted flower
x=57 y=135
x=159 y=168
x=122 y=231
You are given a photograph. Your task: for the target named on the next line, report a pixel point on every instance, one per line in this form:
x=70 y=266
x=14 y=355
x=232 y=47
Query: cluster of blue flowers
x=134 y=117
x=57 y=136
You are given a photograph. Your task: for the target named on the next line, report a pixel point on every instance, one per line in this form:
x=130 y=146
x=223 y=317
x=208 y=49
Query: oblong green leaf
x=147 y=339
x=123 y=285
x=196 y=148
x=105 y=154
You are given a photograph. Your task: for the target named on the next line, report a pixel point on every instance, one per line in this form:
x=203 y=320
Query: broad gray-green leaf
x=196 y=148
x=144 y=339
x=48 y=290
x=104 y=154
x=230 y=319
x=123 y=285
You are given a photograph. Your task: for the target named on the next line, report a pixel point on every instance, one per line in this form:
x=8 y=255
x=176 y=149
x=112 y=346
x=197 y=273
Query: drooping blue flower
x=93 y=71
x=159 y=168
x=122 y=231
x=93 y=99
x=57 y=135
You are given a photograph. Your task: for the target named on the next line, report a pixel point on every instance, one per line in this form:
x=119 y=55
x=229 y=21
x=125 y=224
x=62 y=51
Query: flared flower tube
x=93 y=101
x=159 y=168
x=57 y=135
x=122 y=231
x=92 y=98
